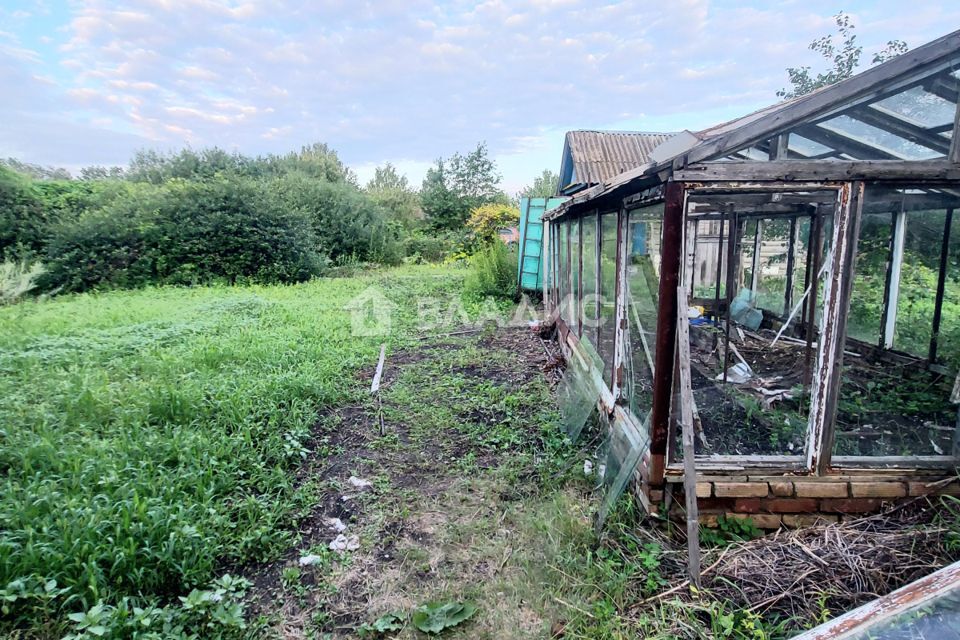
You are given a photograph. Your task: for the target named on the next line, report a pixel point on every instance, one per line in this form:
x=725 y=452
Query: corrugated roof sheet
x=600 y=155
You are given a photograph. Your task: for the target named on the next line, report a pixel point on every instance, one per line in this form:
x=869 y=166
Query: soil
x=418 y=494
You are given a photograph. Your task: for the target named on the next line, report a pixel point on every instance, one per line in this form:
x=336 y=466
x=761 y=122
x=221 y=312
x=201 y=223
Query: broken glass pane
x=625 y=446
x=578 y=392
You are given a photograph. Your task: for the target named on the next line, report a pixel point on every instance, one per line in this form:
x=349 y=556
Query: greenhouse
x=808 y=258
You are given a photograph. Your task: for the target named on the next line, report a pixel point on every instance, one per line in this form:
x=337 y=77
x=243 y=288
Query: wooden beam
x=941 y=285
x=920 y=171
x=896 y=268
x=944 y=86
x=894 y=123
x=686 y=426
x=954 y=155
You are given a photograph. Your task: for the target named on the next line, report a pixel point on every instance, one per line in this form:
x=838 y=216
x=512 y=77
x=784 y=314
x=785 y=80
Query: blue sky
x=406 y=81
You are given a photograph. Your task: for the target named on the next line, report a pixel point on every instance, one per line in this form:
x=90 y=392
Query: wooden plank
x=856 y=623
x=920 y=171
x=954 y=155
x=825 y=390
x=686 y=420
x=893 y=290
x=375 y=386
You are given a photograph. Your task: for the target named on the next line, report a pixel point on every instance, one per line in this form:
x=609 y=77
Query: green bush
x=345 y=221
x=423 y=247
x=222 y=230
x=493 y=273
x=23 y=224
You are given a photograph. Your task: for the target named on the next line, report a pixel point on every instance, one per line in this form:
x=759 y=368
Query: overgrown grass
x=147 y=438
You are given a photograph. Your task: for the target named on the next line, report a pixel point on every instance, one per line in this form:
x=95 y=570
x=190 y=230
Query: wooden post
x=941 y=285
x=375 y=387
x=791 y=260
x=687 y=428
x=893 y=291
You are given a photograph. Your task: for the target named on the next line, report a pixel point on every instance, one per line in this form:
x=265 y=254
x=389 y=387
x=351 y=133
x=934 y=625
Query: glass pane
x=589 y=306
x=914 y=124
x=923 y=108
x=575 y=276
x=643 y=290
x=892 y=402
x=938 y=619
x=869 y=142
x=870 y=277
x=949 y=336
x=773 y=262
x=608 y=293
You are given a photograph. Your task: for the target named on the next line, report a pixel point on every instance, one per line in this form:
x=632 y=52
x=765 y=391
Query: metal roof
x=598 y=156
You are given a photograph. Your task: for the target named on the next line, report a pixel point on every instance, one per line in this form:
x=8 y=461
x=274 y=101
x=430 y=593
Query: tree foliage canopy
x=454 y=187
x=842 y=52
x=543 y=186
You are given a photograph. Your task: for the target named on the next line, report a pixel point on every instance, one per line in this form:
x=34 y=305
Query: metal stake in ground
x=686 y=420
x=375 y=387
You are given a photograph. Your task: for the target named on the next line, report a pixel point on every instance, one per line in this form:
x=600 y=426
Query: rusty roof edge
x=886 y=607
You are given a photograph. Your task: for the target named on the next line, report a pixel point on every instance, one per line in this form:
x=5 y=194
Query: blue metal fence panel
x=530 y=267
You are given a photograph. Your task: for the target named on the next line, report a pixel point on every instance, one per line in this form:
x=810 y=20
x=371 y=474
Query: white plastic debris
x=738 y=373
x=359 y=483
x=310 y=560
x=336 y=524
x=343 y=543
x=587 y=468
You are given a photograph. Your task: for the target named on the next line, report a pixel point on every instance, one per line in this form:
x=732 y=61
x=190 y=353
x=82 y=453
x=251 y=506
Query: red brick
x=877 y=489
x=825 y=489
x=850 y=505
x=747 y=505
x=790 y=505
x=656 y=495
x=740 y=489
x=761 y=520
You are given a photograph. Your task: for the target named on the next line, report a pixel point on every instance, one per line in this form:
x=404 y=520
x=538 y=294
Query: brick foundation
x=772 y=503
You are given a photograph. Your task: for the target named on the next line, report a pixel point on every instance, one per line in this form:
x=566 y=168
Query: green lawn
x=147 y=438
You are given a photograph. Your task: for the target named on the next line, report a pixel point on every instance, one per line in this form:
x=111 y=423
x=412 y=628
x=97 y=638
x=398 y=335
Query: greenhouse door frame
x=826 y=378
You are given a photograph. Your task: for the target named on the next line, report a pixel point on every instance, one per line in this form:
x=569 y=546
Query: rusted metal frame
x=617 y=383
x=813 y=282
x=857 y=623
x=733 y=253
x=791 y=259
x=941 y=285
x=892 y=295
x=670 y=249
x=825 y=391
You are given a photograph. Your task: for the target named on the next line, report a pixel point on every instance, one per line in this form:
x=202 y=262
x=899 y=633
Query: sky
x=403 y=81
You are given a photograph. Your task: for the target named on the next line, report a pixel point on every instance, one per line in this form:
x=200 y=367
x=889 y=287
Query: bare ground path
x=456 y=509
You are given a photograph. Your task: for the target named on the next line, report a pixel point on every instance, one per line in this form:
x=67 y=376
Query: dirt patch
x=455 y=412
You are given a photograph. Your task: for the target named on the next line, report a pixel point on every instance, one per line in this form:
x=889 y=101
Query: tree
x=99 y=172
x=543 y=186
x=454 y=187
x=487 y=220
x=844 y=58
x=391 y=191
x=36 y=171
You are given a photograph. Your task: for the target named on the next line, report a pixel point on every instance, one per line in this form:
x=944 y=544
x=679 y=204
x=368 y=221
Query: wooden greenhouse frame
x=816 y=164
